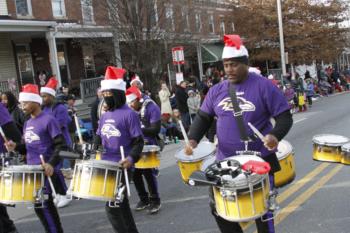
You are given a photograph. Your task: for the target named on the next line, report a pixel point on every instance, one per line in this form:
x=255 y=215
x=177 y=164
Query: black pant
x=120 y=216
x=6 y=224
x=152 y=184
x=48 y=216
x=234 y=227
x=309 y=100
x=48 y=213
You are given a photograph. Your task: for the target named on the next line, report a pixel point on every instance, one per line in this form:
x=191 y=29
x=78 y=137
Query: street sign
x=179 y=78
x=178 y=55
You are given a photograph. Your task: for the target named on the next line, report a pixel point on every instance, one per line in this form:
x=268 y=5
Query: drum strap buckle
x=118 y=198
x=273 y=205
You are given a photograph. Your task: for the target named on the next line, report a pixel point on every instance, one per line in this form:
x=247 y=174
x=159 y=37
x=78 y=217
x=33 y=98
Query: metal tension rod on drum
x=125 y=172
x=49 y=179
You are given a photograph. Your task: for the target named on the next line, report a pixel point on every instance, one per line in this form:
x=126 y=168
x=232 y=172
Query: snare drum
x=327 y=147
x=96 y=179
x=149 y=157
x=285 y=156
x=21 y=184
x=190 y=163
x=242 y=198
x=345 y=158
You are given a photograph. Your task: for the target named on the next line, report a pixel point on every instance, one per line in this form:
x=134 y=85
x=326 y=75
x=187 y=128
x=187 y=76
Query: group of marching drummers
x=127 y=137
x=243 y=170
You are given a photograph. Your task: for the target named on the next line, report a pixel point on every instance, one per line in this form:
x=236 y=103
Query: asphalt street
x=316 y=202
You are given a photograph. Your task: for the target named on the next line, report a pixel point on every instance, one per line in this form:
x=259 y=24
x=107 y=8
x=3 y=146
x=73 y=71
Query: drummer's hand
x=270 y=142
x=126 y=163
x=10 y=145
x=48 y=169
x=193 y=143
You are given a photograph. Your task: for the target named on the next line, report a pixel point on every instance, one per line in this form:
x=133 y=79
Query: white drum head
x=99 y=163
x=346 y=147
x=24 y=168
x=150 y=148
x=207 y=162
x=284 y=149
x=330 y=139
x=203 y=150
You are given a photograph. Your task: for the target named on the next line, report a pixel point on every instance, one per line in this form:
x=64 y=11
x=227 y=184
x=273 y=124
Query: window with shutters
x=58 y=8
x=198 y=22
x=87 y=11
x=211 y=24
x=23 y=7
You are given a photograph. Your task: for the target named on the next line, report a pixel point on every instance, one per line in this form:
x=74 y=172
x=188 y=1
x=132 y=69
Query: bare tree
x=146 y=30
x=312 y=29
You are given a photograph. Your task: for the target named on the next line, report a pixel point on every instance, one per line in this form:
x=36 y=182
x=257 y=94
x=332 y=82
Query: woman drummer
x=259 y=100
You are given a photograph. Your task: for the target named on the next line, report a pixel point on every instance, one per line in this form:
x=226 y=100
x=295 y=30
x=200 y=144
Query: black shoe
x=154 y=208
x=141 y=205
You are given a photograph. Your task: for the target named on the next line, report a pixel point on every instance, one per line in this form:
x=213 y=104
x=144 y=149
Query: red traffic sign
x=178 y=55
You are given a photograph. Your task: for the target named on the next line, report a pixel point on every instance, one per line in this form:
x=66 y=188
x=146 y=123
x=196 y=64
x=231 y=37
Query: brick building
x=57 y=37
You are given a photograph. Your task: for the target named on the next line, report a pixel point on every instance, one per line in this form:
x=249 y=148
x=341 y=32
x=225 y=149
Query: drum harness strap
x=238 y=115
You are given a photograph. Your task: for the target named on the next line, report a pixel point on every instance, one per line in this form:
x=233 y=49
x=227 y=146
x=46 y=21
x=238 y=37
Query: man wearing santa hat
x=150 y=123
x=119 y=126
x=11 y=132
x=60 y=112
x=258 y=100
x=42 y=136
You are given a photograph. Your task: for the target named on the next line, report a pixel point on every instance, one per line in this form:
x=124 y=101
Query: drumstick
x=3 y=135
x=257 y=132
x=78 y=129
x=125 y=172
x=49 y=179
x=184 y=133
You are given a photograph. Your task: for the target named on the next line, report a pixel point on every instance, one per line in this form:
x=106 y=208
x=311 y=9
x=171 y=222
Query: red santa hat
x=234 y=47
x=133 y=93
x=136 y=78
x=50 y=87
x=113 y=79
x=30 y=93
x=254 y=70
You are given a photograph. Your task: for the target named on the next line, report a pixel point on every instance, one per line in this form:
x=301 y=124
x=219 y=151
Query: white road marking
x=300 y=120
x=102 y=210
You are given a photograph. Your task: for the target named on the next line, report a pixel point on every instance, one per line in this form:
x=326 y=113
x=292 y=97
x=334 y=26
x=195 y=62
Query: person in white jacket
x=164 y=96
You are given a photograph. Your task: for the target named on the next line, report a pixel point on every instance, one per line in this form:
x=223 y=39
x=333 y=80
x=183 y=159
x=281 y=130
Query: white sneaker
x=62 y=201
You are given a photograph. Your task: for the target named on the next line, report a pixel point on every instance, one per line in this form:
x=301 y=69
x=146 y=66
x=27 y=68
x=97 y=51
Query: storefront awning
x=211 y=52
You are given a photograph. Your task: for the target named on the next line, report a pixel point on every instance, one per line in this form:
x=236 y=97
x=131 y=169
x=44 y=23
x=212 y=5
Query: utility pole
x=280 y=27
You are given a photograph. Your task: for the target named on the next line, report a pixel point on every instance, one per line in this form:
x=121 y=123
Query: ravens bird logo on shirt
x=244 y=104
x=30 y=137
x=110 y=130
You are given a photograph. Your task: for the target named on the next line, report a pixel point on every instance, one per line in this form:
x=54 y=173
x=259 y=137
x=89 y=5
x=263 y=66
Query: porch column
x=118 y=58
x=199 y=57
x=51 y=40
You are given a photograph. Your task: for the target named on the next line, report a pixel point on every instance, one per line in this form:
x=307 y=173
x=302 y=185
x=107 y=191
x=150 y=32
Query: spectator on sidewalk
x=94 y=110
x=193 y=103
x=181 y=101
x=164 y=96
x=310 y=91
x=9 y=100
